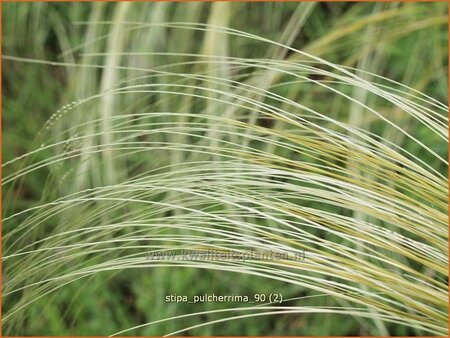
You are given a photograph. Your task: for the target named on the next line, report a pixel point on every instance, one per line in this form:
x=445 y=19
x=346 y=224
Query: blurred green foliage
x=415 y=55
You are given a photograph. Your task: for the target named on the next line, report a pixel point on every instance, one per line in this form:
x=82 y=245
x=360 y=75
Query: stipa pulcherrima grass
x=286 y=153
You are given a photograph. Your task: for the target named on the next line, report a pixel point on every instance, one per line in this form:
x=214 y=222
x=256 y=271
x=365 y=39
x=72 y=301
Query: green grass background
x=110 y=302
